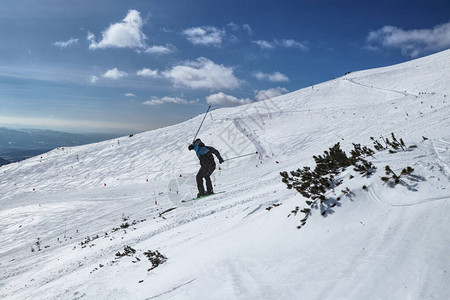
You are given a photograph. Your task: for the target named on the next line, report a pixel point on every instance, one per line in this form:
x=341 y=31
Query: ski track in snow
x=440 y=150
x=259 y=148
x=383 y=243
x=171 y=290
x=374 y=195
x=405 y=93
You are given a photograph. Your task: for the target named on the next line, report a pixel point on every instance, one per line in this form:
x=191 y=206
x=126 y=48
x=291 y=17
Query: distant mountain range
x=3 y=162
x=20 y=144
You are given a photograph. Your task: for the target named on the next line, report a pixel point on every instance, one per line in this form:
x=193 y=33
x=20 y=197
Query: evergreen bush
x=155 y=258
x=315 y=183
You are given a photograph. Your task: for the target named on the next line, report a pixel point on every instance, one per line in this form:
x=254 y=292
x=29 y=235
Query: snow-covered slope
x=380 y=243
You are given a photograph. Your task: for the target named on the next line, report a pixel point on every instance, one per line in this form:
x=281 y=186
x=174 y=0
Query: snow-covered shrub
x=127 y=251
x=394 y=145
x=155 y=258
x=394 y=179
x=314 y=184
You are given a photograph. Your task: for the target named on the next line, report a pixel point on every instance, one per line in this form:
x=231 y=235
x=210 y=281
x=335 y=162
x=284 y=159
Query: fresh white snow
x=380 y=243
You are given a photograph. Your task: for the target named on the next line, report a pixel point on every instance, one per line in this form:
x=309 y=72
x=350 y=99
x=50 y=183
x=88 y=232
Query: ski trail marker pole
x=253 y=153
x=201 y=124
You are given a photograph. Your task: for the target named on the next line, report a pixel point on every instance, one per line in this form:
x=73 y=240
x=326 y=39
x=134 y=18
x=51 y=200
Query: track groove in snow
x=405 y=93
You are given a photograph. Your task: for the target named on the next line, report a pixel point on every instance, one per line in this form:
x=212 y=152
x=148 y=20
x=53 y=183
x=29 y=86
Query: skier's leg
x=199 y=178
x=209 y=187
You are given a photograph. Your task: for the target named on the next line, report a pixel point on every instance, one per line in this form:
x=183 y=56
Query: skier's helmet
x=197 y=142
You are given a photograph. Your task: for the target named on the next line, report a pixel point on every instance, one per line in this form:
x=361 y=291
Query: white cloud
x=153 y=102
x=244 y=27
x=69 y=124
x=114 y=74
x=166 y=29
x=205 y=35
x=65 y=44
x=223 y=99
x=293 y=44
x=247 y=28
x=203 y=74
x=146 y=72
x=226 y=100
x=93 y=79
x=159 y=49
x=274 y=77
x=126 y=34
x=412 y=42
x=159 y=101
x=372 y=48
x=233 y=26
x=270 y=93
x=130 y=95
x=267 y=45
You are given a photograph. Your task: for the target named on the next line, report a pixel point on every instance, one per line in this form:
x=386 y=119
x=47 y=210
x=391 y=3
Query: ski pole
x=241 y=156
x=201 y=124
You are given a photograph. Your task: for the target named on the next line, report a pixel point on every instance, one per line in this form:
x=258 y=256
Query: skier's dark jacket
x=204 y=153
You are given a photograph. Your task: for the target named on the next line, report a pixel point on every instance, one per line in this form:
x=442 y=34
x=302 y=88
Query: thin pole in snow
x=241 y=156
x=209 y=107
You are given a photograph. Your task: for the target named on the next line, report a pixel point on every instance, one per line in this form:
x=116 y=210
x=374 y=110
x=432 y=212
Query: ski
x=166 y=211
x=221 y=192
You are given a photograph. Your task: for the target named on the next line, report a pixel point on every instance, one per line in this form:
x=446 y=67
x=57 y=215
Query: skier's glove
x=220 y=161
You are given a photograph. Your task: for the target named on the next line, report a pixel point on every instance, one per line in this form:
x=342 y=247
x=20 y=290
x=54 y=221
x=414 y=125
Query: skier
x=207 y=166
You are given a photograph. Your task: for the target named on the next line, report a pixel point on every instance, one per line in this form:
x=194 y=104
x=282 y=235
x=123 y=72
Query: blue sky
x=129 y=66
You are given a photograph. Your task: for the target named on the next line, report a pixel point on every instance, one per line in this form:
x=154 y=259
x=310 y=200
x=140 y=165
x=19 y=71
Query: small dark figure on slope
x=207 y=166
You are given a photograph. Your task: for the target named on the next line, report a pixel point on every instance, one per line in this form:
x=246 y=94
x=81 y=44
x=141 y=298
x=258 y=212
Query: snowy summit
x=106 y=221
